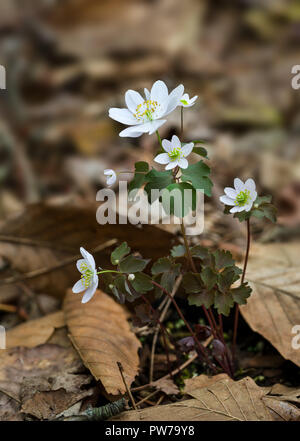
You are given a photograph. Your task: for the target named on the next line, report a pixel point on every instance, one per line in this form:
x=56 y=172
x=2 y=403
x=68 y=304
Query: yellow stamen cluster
x=146 y=109
x=175 y=153
x=242 y=198
x=87 y=274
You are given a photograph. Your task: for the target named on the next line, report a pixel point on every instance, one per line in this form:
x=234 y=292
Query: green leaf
x=118 y=254
x=178 y=251
x=142 y=283
x=200 y=252
x=198 y=174
x=161 y=265
x=266 y=210
x=119 y=289
x=262 y=200
x=175 y=199
x=192 y=283
x=157 y=180
x=222 y=259
x=226 y=278
x=200 y=151
x=141 y=168
x=209 y=277
x=241 y=293
x=205 y=298
x=223 y=303
x=133 y=264
x=168 y=270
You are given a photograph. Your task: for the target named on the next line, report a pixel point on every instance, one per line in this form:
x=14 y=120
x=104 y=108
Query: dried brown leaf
x=34 y=332
x=100 y=332
x=222 y=399
x=273 y=308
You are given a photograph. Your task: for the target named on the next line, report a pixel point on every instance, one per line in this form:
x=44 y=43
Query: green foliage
x=213 y=285
x=176 y=201
x=201 y=151
x=197 y=174
x=157 y=180
x=133 y=264
x=141 y=168
x=120 y=252
x=178 y=251
x=142 y=283
x=165 y=271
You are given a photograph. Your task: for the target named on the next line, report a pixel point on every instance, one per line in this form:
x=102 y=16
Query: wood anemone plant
x=210 y=278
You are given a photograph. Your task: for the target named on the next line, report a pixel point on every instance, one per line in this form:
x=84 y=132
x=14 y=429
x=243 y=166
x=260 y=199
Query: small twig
x=126 y=386
x=65 y=262
x=161 y=318
x=147 y=397
x=8 y=308
x=175 y=371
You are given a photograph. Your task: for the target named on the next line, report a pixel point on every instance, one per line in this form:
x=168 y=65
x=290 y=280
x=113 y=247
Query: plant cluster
x=210 y=278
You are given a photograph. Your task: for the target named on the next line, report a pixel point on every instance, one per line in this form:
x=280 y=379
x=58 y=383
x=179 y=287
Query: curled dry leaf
x=100 y=332
x=273 y=308
x=42 y=245
x=34 y=332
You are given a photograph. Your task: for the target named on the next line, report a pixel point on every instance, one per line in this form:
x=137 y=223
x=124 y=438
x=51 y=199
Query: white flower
x=186 y=101
x=111 y=176
x=242 y=196
x=175 y=153
x=144 y=115
x=89 y=278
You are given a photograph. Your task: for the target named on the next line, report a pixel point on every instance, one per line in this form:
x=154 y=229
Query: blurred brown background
x=68 y=61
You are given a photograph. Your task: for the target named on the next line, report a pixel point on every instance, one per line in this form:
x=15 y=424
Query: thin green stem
x=187 y=248
x=108 y=271
x=181 y=122
x=159 y=139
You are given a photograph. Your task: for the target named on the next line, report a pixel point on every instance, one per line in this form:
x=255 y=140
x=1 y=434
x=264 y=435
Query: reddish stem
x=236 y=316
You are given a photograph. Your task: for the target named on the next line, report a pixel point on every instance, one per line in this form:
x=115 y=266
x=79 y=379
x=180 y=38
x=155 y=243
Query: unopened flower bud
x=131 y=277
x=110 y=286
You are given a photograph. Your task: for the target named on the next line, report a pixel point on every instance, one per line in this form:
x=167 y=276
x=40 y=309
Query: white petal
x=159 y=93
x=248 y=206
x=162 y=158
x=131 y=132
x=89 y=293
x=111 y=180
x=79 y=263
x=108 y=172
x=187 y=148
x=238 y=185
x=226 y=200
x=167 y=145
x=122 y=115
x=253 y=195
x=183 y=163
x=234 y=209
x=78 y=287
x=171 y=165
x=147 y=94
x=176 y=141
x=174 y=98
x=154 y=125
x=250 y=184
x=86 y=255
x=133 y=99
x=230 y=192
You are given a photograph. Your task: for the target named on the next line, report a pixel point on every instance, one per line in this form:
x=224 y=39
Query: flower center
x=145 y=110
x=184 y=102
x=175 y=153
x=242 y=198
x=87 y=274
